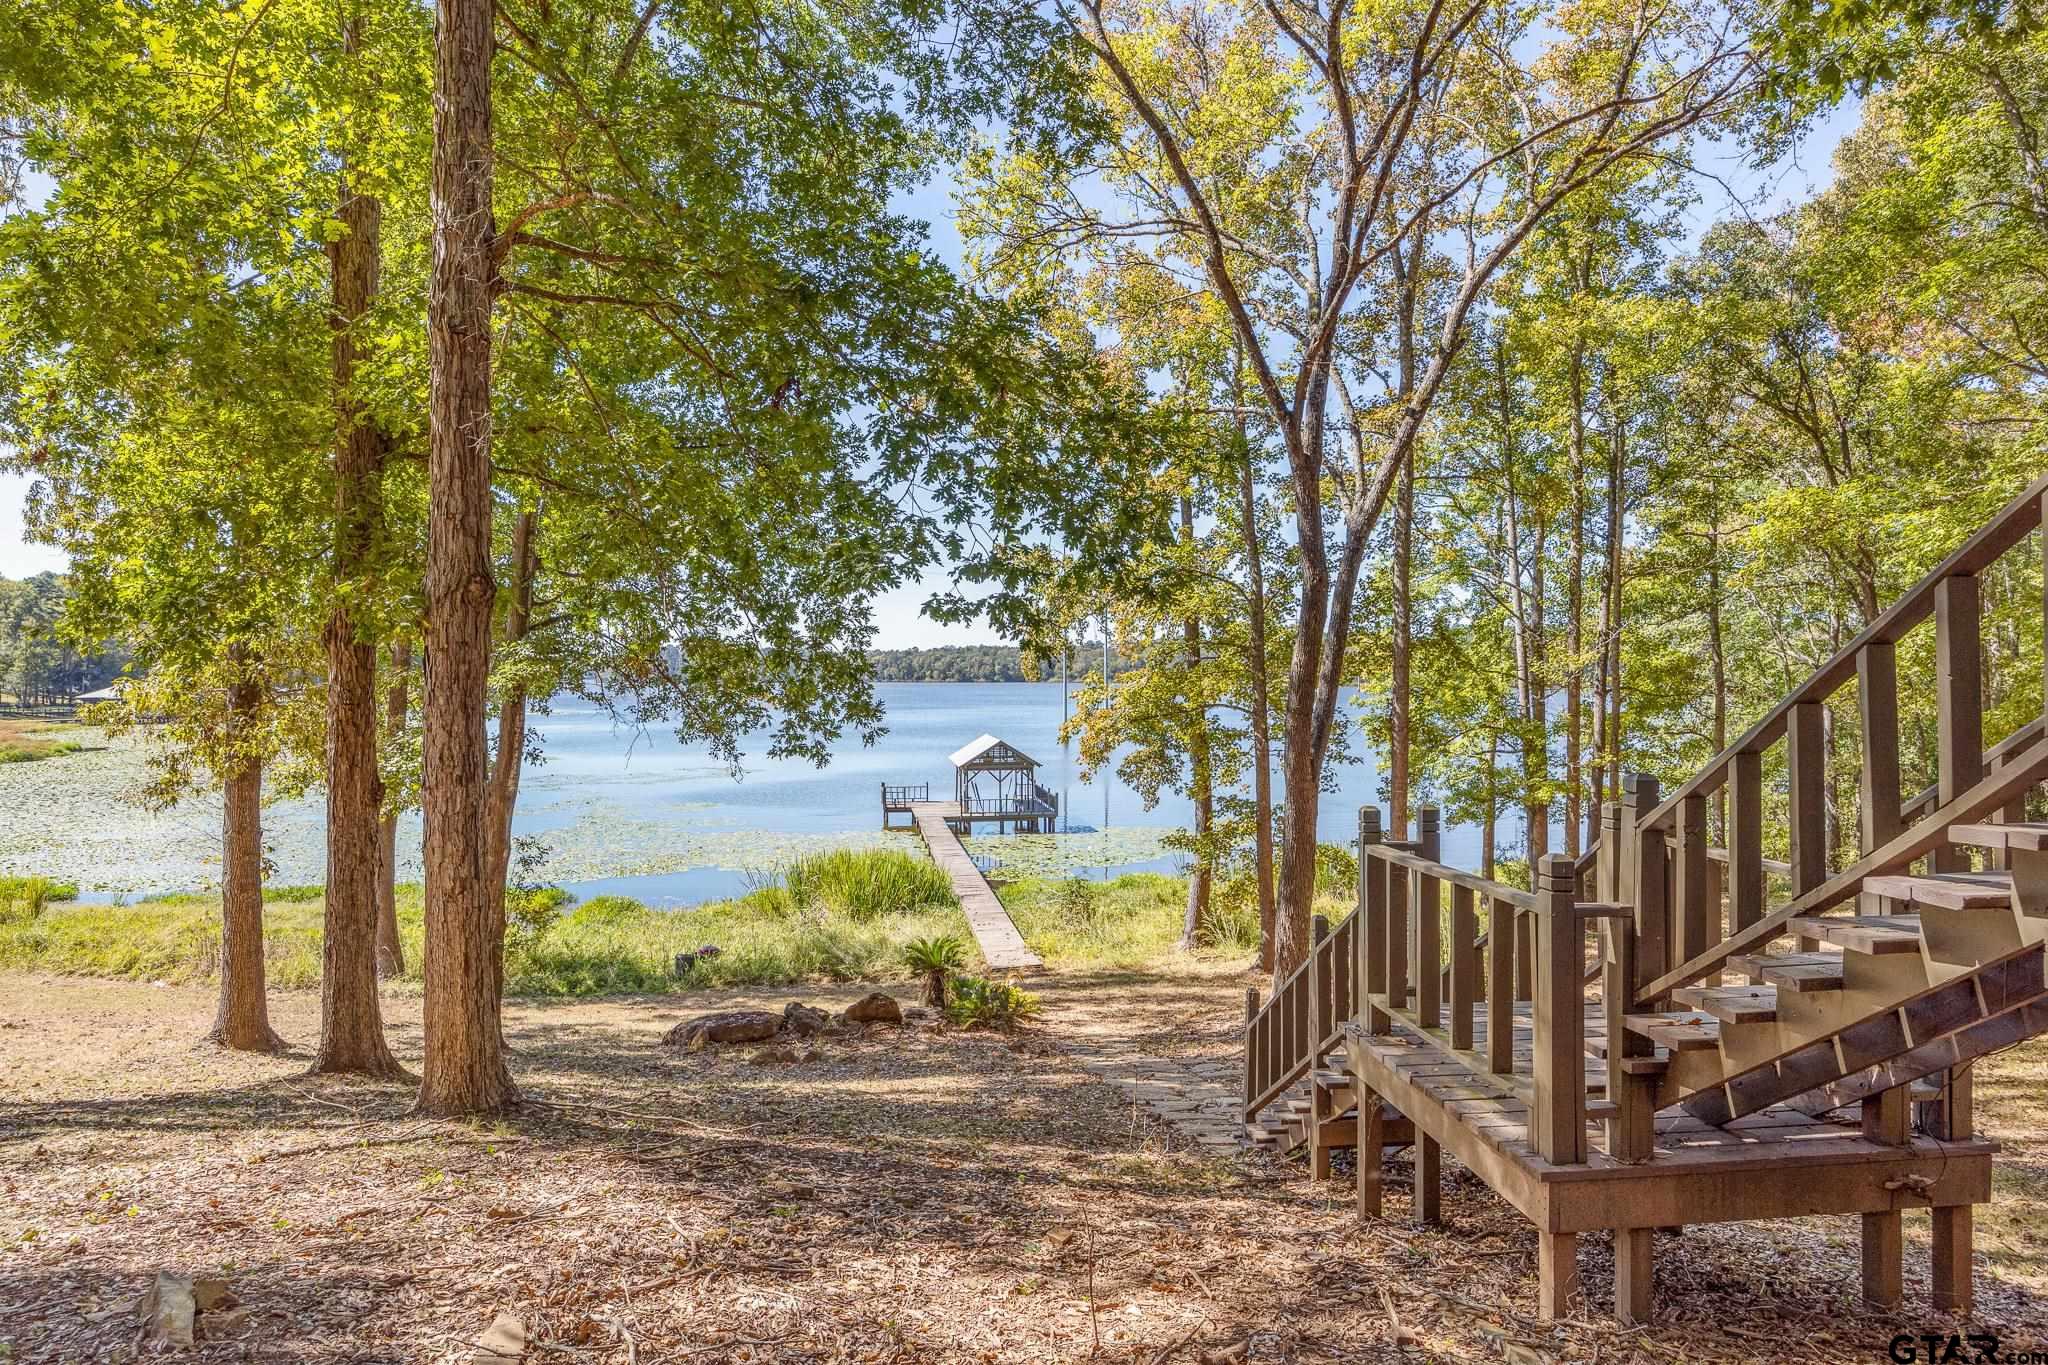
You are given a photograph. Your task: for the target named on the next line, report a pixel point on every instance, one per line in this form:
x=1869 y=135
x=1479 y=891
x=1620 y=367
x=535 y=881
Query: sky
x=899 y=619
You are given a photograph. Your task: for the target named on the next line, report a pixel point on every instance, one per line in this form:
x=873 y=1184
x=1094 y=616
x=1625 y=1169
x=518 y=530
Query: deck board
x=1001 y=944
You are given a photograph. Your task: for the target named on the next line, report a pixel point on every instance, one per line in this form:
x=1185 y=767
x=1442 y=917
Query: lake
x=603 y=788
x=615 y=810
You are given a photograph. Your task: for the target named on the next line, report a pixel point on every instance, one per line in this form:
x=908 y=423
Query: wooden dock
x=1001 y=944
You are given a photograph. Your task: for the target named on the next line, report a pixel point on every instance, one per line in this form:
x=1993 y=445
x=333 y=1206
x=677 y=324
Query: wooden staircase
x=1765 y=1038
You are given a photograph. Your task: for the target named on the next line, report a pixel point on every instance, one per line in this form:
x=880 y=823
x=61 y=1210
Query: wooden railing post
x=1645 y=882
x=1464 y=965
x=1558 y=1057
x=1254 y=1053
x=1427 y=894
x=1689 y=877
x=1807 y=798
x=1500 y=986
x=1397 y=936
x=1629 y=1132
x=1959 y=714
x=1745 y=839
x=1318 y=987
x=1372 y=897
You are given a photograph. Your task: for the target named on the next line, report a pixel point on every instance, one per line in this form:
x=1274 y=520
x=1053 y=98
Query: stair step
x=1947 y=890
x=1681 y=1031
x=1732 y=1004
x=2030 y=838
x=1876 y=934
x=1800 y=972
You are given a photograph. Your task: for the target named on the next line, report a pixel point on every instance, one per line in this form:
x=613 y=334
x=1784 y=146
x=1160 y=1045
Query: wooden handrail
x=2004 y=531
x=1992 y=792
x=1443 y=872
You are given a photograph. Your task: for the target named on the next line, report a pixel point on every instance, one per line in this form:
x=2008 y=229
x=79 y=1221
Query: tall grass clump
x=23 y=898
x=867 y=884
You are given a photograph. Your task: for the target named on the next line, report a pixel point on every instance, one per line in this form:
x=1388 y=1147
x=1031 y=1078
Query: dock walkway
x=1001 y=944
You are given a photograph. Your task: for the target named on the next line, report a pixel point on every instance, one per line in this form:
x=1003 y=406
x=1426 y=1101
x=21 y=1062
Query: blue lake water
x=602 y=778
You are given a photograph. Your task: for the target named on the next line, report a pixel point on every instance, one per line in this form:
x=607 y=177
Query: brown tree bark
x=397 y=701
x=1261 y=717
x=242 y=1020
x=1400 y=694
x=351 y=1025
x=465 y=1069
x=1575 y=607
x=1200 y=787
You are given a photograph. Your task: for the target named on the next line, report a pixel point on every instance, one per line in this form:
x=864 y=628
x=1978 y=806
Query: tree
x=1282 y=160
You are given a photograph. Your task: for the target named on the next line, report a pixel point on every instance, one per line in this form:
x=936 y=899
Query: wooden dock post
x=1558 y=1119
x=1884 y=1245
x=1372 y=906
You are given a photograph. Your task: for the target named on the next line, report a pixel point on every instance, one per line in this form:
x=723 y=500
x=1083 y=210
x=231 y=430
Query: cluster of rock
x=797 y=1020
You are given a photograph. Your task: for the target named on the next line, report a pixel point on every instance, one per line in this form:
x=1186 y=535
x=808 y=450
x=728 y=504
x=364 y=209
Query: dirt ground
x=911 y=1195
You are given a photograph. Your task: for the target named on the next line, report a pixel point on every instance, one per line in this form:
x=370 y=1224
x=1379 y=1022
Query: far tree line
x=38 y=665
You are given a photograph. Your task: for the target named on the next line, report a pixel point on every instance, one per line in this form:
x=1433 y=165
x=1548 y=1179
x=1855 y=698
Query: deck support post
x=1426 y=898
x=1633 y=1273
x=1372 y=903
x=1429 y=1179
x=1558 y=1055
x=1953 y=1236
x=1312 y=1041
x=1557 y=1274
x=1884 y=1242
x=1370 y=1153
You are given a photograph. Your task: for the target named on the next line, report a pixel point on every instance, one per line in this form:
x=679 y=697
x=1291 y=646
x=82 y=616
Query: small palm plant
x=936 y=959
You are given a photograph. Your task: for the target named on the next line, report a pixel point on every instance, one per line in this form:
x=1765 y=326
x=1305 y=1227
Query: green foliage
x=1129 y=921
x=935 y=959
x=941 y=953
x=607 y=910
x=868 y=884
x=23 y=898
x=981 y=1003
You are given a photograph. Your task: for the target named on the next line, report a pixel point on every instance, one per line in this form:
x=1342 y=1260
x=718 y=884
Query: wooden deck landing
x=1001 y=944
x=1779 y=1163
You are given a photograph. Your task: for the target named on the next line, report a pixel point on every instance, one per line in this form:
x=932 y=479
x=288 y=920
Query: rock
x=875 y=1009
x=727 y=1026
x=503 y=1342
x=166 y=1311
x=223 y=1324
x=804 y=1020
x=211 y=1294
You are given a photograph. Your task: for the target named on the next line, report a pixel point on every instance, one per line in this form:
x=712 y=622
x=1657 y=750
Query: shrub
x=23 y=898
x=607 y=910
x=981 y=1003
x=530 y=912
x=1231 y=925
x=866 y=884
x=935 y=959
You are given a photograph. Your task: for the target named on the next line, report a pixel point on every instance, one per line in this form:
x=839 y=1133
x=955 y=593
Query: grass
x=611 y=944
x=849 y=915
x=26 y=741
x=23 y=898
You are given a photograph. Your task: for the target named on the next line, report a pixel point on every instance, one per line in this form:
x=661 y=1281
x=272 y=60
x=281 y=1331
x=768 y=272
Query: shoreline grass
x=30 y=741
x=848 y=918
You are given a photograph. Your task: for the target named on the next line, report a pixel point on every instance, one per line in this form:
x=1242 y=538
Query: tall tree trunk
x=1261 y=719
x=351 y=1027
x=465 y=1061
x=1400 y=694
x=1611 y=626
x=1575 y=612
x=1199 y=781
x=1527 y=600
x=242 y=1020
x=390 y=951
x=1717 y=658
x=1300 y=773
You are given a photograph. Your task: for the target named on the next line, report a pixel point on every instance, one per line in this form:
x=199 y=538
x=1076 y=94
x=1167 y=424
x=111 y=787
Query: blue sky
x=899 y=617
